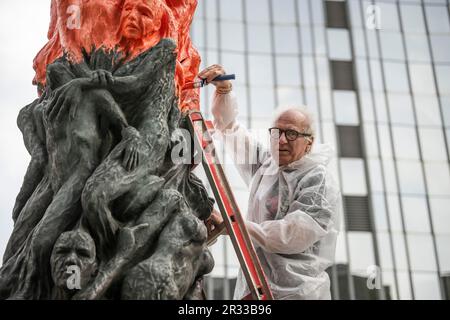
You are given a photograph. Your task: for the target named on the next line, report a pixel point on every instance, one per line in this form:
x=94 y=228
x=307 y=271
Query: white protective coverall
x=292 y=213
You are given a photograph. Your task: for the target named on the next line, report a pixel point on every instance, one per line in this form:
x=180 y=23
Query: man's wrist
x=225 y=89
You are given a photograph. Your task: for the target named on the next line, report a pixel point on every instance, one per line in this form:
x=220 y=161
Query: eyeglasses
x=291 y=135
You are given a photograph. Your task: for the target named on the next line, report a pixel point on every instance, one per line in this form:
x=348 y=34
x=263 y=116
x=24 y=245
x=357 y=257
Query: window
x=336 y=14
x=286 y=39
x=367 y=112
x=444 y=253
x=261 y=70
x=396 y=78
x=392 y=46
x=373 y=50
x=412 y=18
x=379 y=212
x=256 y=10
x=421 y=252
x=437 y=19
x=385 y=251
x=288 y=71
x=385 y=141
x=346 y=107
x=371 y=140
x=361 y=251
x=357 y=217
x=232 y=36
x=438 y=178
x=359 y=43
x=231 y=10
x=350 y=142
x=377 y=79
x=427 y=110
x=197 y=32
x=415 y=212
x=256 y=42
x=441 y=48
x=283 y=13
x=212 y=38
x=432 y=144
x=426 y=286
x=320 y=44
x=353 y=177
x=318 y=12
x=395 y=215
x=405 y=142
x=443 y=76
x=404 y=286
x=410 y=173
x=339 y=44
x=362 y=74
x=210 y=9
x=422 y=79
x=389 y=16
x=441 y=217
x=398 y=242
x=309 y=73
x=354 y=8
x=303 y=12
x=445 y=101
x=235 y=62
x=376 y=177
x=342 y=72
x=306 y=39
x=417 y=48
x=400 y=109
x=289 y=96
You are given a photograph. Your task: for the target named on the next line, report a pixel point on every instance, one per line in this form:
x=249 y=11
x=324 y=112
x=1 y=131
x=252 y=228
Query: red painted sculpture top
x=130 y=26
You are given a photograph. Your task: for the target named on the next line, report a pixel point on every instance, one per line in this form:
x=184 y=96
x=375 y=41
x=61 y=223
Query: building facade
x=376 y=74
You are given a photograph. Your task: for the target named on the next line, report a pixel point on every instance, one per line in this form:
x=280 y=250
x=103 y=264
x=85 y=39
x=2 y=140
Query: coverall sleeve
x=246 y=153
x=309 y=221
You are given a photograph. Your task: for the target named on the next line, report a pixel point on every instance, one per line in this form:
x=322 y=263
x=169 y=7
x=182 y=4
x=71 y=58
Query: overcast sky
x=23 y=32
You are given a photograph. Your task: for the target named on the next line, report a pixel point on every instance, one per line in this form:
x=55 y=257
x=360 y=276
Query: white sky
x=23 y=32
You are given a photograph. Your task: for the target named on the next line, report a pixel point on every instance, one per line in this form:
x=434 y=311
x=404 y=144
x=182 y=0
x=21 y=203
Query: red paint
x=132 y=26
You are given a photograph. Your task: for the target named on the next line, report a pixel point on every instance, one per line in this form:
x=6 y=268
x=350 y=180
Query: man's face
x=73 y=249
x=283 y=150
x=140 y=18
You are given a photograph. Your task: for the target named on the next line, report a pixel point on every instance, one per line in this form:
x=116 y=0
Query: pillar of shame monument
x=104 y=212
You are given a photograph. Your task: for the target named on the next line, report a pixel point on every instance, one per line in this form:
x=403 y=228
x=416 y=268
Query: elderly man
x=293 y=205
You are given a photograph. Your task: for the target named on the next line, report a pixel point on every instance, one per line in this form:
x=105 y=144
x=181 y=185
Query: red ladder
x=233 y=221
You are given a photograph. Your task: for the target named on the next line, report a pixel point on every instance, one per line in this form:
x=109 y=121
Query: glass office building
x=376 y=74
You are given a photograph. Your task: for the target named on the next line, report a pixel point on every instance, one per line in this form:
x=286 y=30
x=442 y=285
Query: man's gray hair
x=303 y=110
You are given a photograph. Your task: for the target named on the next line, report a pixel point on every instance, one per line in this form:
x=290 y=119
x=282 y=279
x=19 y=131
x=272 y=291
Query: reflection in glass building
x=376 y=74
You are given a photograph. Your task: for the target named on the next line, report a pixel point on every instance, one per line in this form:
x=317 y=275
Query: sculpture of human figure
x=81 y=100
x=73 y=257
x=145 y=90
x=180 y=258
x=135 y=241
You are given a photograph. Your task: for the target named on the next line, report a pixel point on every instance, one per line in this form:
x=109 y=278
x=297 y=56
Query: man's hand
x=102 y=78
x=214 y=221
x=134 y=149
x=213 y=72
x=65 y=98
x=224 y=107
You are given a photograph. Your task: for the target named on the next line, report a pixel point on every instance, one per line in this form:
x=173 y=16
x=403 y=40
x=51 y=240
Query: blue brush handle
x=225 y=77
x=222 y=77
